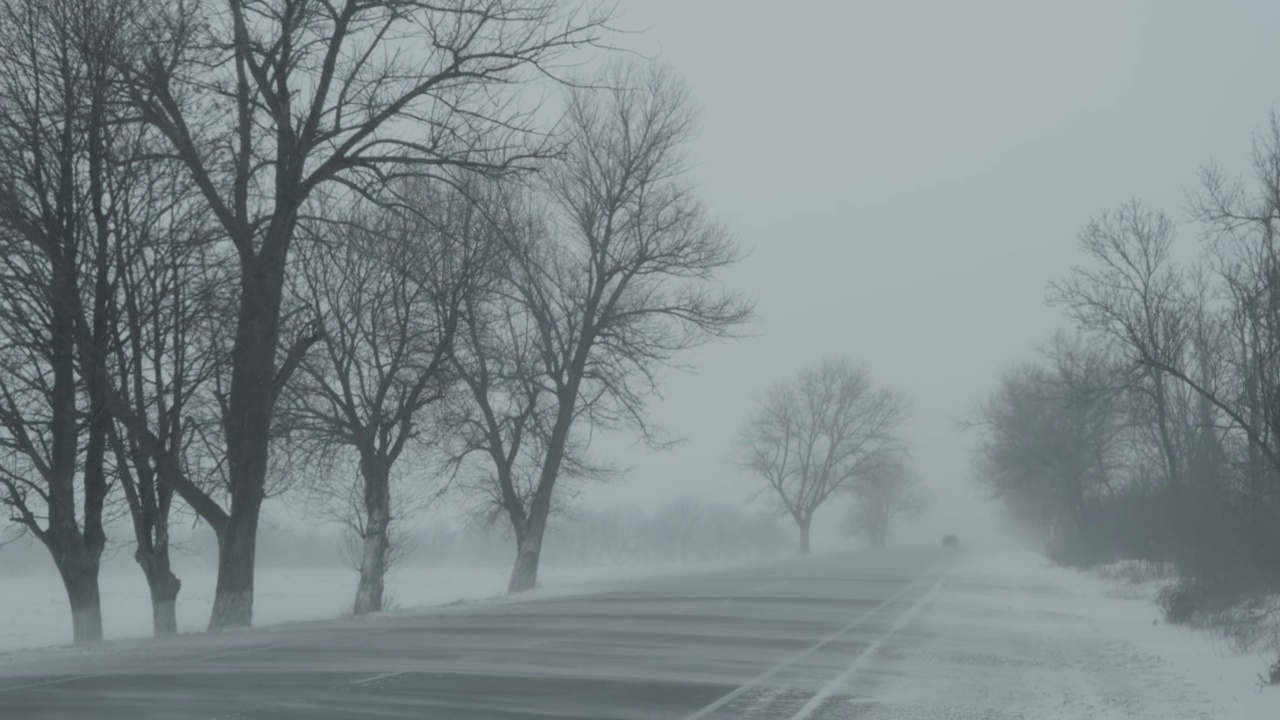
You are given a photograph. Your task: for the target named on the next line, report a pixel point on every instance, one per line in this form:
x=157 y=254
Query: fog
x=869 y=216
x=909 y=176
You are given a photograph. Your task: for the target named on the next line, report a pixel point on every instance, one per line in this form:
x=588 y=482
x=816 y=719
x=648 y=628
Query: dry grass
x=1252 y=625
x=1137 y=571
x=1136 y=579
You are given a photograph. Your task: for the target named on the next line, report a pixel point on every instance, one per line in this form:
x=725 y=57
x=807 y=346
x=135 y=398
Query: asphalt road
x=778 y=641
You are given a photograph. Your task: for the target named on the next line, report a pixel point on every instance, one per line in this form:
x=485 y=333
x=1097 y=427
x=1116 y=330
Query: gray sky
x=909 y=175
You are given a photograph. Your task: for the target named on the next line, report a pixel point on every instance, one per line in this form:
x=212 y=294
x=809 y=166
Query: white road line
x=229 y=653
x=734 y=694
x=141 y=668
x=55 y=681
x=376 y=678
x=867 y=652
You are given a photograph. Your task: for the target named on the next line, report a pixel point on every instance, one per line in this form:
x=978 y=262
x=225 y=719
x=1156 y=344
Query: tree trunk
x=369 y=594
x=804 y=534
x=80 y=578
x=524 y=576
x=164 y=585
x=247 y=424
x=76 y=552
x=233 y=597
x=377 y=541
x=164 y=604
x=879 y=535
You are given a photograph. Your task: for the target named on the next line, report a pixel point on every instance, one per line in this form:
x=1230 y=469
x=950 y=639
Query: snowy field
x=34 y=611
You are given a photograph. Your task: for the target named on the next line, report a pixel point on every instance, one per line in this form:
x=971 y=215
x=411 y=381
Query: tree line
x=373 y=251
x=1150 y=429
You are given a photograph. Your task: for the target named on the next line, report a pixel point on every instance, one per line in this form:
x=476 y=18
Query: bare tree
x=168 y=291
x=886 y=492
x=1135 y=295
x=628 y=277
x=263 y=102
x=500 y=415
x=1243 y=225
x=813 y=436
x=348 y=504
x=505 y=417
x=389 y=285
x=1241 y=379
x=60 y=136
x=1054 y=439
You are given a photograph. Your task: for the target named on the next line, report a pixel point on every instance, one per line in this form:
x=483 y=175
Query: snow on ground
x=1006 y=636
x=34 y=611
x=1011 y=636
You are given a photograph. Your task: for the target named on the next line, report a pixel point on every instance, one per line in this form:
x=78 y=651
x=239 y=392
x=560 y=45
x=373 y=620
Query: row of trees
x=682 y=530
x=248 y=243
x=1153 y=430
x=830 y=432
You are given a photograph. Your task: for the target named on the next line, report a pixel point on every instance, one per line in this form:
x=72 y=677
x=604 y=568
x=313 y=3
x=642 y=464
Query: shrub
x=1178 y=602
x=1272 y=675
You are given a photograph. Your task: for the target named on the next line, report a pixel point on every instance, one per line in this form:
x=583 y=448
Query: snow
x=34 y=612
x=996 y=636
x=1012 y=636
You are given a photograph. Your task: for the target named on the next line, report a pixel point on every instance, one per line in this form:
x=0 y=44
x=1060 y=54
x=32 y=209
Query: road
x=897 y=634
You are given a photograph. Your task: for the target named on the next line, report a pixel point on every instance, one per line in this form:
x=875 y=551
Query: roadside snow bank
x=1224 y=681
x=1012 y=637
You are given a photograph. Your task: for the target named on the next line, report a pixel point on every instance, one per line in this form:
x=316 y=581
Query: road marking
x=229 y=653
x=55 y=681
x=376 y=678
x=141 y=668
x=867 y=652
x=736 y=693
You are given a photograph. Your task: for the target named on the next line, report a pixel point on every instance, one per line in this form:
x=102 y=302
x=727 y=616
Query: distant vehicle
x=950 y=541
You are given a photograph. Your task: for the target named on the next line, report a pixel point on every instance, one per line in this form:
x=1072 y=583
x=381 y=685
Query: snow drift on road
x=1013 y=637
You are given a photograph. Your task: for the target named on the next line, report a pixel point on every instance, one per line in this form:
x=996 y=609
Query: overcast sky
x=909 y=175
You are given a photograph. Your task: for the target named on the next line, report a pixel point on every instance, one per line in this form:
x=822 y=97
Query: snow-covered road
x=899 y=634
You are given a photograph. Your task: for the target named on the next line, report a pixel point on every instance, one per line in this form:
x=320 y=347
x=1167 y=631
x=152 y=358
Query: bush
x=1178 y=602
x=1208 y=604
x=1272 y=675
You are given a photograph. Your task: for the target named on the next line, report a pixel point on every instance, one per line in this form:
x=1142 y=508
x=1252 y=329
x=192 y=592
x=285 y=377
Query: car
x=950 y=541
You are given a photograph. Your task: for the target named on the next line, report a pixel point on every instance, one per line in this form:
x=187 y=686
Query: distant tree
x=887 y=491
x=812 y=437
x=681 y=530
x=1054 y=438
x=679 y=526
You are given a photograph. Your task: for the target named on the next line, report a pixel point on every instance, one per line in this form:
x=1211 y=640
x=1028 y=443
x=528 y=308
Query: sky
x=908 y=177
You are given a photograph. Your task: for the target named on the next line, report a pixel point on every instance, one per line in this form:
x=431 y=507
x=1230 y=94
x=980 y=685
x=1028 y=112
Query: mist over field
x=639 y=359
